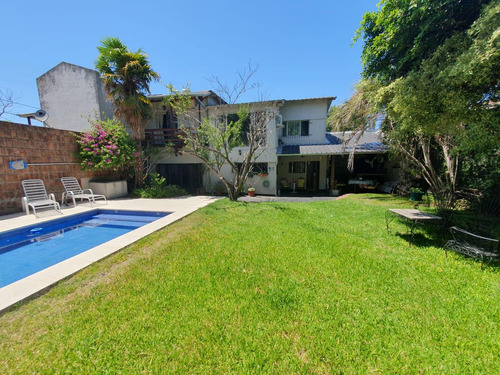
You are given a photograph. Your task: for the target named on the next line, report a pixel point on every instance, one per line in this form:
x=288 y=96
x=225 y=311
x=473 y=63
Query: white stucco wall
x=70 y=94
x=314 y=110
x=210 y=179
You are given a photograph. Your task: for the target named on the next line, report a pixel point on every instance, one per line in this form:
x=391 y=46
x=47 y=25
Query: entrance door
x=313 y=175
x=187 y=176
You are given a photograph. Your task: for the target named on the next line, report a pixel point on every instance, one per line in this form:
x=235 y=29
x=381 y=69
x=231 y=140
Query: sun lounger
x=36 y=197
x=74 y=191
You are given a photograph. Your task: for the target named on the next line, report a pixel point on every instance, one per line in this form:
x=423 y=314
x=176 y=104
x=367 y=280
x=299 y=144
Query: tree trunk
x=443 y=191
x=139 y=167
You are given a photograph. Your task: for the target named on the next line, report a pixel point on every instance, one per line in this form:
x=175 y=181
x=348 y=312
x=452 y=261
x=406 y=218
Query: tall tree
x=126 y=76
x=437 y=63
x=213 y=139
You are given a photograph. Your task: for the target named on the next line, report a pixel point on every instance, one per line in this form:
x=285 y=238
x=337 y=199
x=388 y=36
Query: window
x=256 y=168
x=296 y=128
x=297 y=167
x=169 y=120
x=278 y=120
x=259 y=168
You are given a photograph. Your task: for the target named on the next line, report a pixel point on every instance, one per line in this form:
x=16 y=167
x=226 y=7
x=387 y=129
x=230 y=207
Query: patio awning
x=369 y=143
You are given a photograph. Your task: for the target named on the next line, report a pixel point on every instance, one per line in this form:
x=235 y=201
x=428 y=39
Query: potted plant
x=251 y=192
x=416 y=194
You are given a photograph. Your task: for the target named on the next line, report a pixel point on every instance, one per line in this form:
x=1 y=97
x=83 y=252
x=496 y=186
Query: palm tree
x=126 y=76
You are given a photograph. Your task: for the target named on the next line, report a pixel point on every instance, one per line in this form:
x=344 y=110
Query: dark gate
x=187 y=176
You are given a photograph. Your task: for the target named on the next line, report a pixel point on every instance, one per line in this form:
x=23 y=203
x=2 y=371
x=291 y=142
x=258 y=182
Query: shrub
x=158 y=189
x=107 y=146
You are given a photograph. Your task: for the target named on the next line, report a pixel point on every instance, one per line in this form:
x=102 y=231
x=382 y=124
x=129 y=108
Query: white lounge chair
x=74 y=191
x=35 y=196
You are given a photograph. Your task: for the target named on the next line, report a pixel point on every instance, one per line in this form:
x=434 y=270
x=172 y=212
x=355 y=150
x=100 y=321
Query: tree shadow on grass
x=493 y=266
x=392 y=199
x=421 y=240
x=381 y=198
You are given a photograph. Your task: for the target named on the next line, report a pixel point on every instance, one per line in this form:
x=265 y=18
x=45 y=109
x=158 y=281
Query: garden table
x=411 y=216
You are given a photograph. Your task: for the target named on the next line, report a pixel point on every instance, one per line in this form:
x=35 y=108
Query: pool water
x=28 y=250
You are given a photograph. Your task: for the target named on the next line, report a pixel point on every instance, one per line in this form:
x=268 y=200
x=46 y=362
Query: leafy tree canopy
x=126 y=76
x=403 y=33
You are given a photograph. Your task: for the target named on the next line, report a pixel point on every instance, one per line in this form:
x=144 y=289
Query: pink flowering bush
x=107 y=146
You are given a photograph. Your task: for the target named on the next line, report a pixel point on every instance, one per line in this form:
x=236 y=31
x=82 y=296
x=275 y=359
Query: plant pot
x=251 y=193
x=416 y=196
x=111 y=189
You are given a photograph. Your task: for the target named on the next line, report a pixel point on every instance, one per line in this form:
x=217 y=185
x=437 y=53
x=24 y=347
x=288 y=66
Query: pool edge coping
x=41 y=281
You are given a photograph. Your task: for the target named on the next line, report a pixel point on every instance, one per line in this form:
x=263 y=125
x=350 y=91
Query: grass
x=266 y=288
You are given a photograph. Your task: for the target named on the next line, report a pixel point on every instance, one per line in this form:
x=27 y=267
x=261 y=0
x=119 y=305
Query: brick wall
x=35 y=145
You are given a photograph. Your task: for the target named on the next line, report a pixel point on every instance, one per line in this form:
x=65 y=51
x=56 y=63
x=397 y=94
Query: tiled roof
x=369 y=143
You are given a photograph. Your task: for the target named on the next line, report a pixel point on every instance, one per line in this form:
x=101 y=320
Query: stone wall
x=53 y=148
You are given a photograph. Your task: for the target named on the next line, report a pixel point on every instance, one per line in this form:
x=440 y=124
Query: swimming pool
x=27 y=250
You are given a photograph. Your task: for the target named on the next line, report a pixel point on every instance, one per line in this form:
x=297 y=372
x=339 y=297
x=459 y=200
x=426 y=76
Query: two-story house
x=300 y=156
x=296 y=122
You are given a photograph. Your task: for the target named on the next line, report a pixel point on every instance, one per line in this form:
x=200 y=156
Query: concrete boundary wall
x=54 y=148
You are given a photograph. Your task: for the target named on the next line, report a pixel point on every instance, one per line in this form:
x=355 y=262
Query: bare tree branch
x=226 y=127
x=6 y=101
x=231 y=94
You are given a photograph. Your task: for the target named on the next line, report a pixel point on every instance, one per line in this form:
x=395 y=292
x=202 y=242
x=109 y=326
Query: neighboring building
x=71 y=95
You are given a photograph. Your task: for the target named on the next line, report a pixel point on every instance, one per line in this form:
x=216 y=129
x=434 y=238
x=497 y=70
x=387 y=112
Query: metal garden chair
x=74 y=191
x=36 y=197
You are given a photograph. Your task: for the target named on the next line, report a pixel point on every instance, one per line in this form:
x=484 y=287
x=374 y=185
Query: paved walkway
x=22 y=289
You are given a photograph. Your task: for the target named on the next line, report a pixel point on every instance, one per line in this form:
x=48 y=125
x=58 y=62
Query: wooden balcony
x=163 y=137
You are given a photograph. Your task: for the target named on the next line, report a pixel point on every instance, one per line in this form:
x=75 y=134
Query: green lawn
x=267 y=288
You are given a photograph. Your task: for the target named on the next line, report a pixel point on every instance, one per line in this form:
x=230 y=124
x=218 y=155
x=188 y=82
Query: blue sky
x=303 y=48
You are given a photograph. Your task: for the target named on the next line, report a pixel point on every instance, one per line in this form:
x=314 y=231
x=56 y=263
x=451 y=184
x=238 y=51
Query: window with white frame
x=296 y=167
x=296 y=128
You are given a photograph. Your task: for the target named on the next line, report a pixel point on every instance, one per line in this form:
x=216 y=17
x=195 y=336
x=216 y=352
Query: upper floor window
x=296 y=128
x=169 y=120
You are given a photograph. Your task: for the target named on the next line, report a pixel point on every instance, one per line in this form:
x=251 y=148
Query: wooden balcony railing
x=162 y=137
